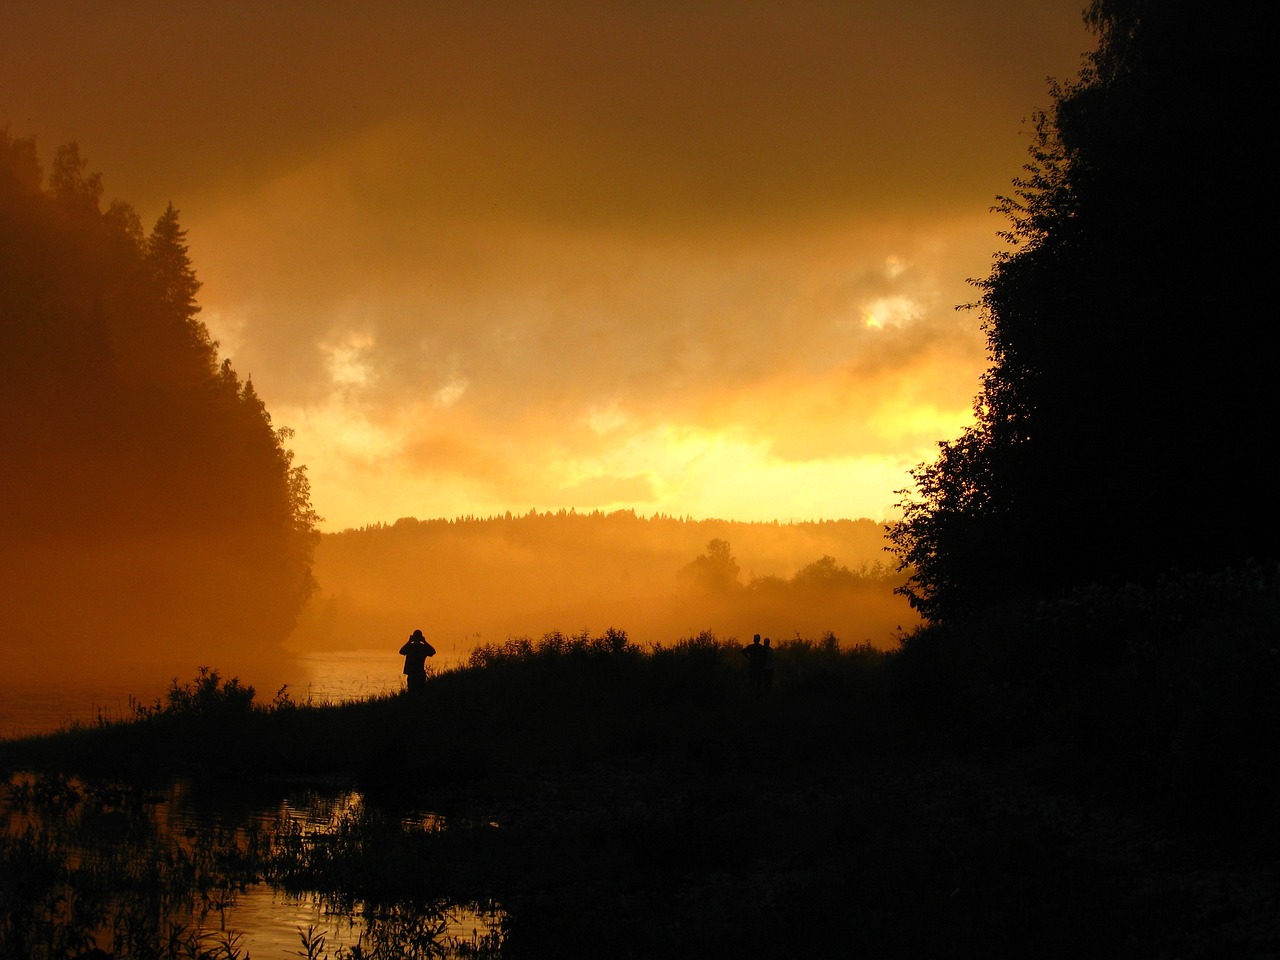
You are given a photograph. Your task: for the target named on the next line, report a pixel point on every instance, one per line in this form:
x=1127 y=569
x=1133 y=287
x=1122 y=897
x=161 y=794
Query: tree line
x=150 y=504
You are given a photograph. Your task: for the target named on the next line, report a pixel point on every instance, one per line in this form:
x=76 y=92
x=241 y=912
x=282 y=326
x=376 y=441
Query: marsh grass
x=88 y=866
x=84 y=867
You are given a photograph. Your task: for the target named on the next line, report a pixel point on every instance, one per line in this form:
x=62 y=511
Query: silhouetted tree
x=714 y=573
x=147 y=497
x=68 y=184
x=824 y=574
x=166 y=256
x=1120 y=423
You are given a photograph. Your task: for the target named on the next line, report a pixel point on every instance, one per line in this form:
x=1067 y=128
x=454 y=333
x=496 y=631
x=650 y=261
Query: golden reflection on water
x=268 y=922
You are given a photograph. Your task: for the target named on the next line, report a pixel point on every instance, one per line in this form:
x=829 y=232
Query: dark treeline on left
x=150 y=509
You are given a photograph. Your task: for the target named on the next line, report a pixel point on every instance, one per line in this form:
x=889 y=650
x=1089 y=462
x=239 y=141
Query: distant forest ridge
x=469 y=579
x=777 y=545
x=615 y=515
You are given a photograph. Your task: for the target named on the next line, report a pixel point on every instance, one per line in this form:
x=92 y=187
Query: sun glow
x=725 y=473
x=339 y=432
x=890 y=312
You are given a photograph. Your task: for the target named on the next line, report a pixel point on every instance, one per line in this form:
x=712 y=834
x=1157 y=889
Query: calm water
x=29 y=707
x=268 y=920
x=268 y=923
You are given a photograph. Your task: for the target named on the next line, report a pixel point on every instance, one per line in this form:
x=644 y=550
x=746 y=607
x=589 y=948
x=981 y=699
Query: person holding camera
x=415 y=653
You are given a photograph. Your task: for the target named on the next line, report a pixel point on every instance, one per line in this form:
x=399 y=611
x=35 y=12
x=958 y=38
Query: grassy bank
x=1092 y=776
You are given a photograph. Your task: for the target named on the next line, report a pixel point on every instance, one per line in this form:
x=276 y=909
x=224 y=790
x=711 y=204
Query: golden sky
x=696 y=258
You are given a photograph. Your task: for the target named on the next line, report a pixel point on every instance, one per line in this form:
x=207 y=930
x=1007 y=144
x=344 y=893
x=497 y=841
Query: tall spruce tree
x=167 y=257
x=1120 y=426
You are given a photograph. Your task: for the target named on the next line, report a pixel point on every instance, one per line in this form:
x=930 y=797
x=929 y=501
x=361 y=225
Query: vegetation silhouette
x=151 y=509
x=1126 y=386
x=145 y=887
x=714 y=572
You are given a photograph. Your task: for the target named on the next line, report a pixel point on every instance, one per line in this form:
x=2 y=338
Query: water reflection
x=268 y=922
x=106 y=864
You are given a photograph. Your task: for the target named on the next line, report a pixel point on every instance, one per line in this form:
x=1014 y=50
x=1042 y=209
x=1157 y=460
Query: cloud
x=585 y=352
x=507 y=256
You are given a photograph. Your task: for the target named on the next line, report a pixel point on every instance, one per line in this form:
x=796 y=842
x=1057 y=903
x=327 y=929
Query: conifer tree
x=170 y=265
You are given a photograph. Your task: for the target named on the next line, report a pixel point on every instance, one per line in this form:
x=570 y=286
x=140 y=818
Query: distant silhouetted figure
x=766 y=666
x=416 y=651
x=755 y=652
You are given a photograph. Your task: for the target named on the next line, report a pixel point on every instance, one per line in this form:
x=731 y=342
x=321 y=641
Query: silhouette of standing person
x=415 y=652
x=766 y=666
x=755 y=654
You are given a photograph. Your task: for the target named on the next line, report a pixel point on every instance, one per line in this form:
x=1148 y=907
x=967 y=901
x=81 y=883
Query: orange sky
x=680 y=257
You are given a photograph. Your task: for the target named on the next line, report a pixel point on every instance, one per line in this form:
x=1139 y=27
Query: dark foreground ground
x=797 y=832
x=941 y=857
x=627 y=804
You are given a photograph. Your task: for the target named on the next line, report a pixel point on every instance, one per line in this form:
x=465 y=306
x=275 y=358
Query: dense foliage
x=146 y=492
x=1119 y=424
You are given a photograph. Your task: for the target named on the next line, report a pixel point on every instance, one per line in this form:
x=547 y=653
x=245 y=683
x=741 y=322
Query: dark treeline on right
x=1128 y=383
x=1095 y=559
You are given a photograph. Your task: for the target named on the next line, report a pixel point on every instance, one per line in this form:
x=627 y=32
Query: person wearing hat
x=415 y=654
